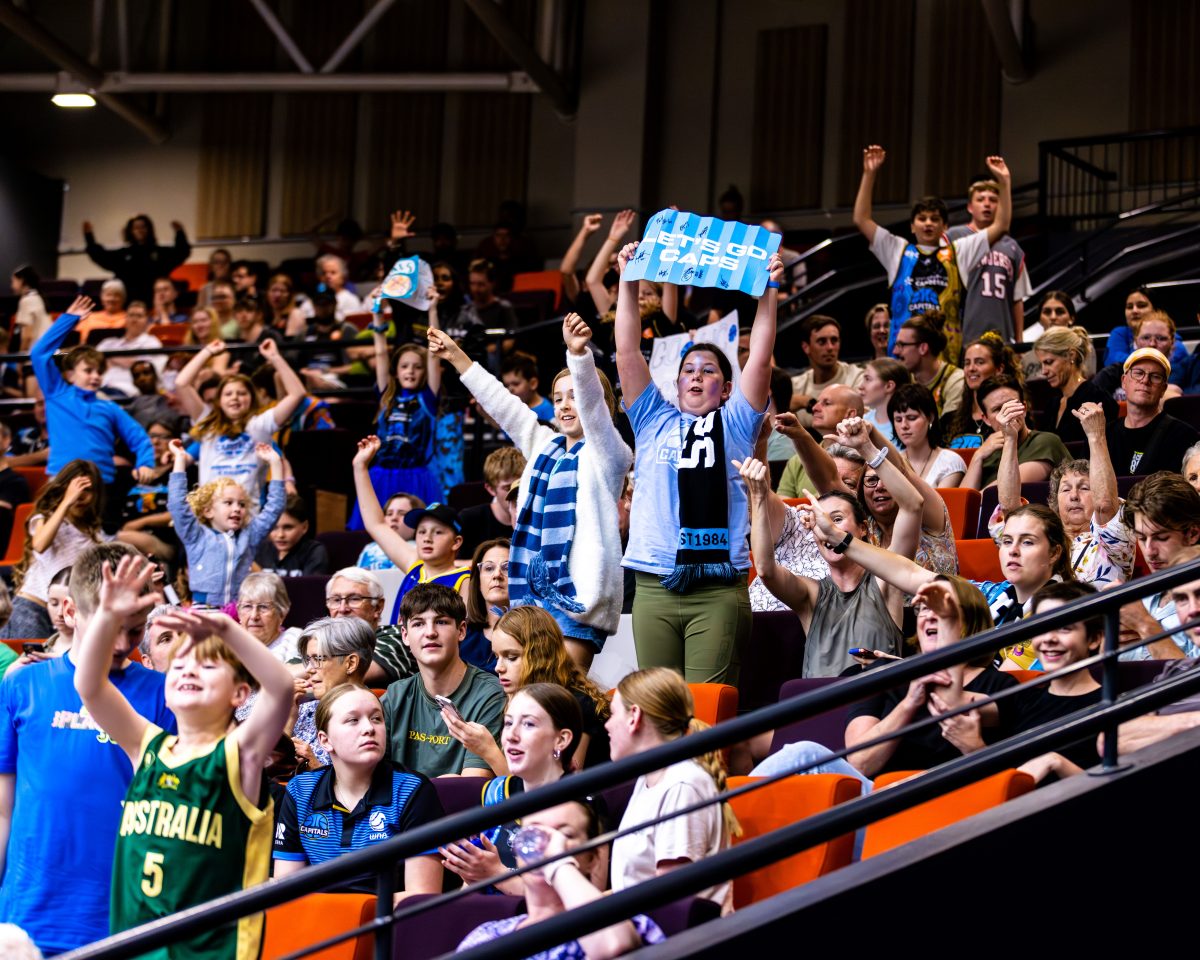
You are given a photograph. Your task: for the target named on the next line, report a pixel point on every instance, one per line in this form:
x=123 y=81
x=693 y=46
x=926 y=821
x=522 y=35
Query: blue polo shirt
x=312 y=827
x=70 y=783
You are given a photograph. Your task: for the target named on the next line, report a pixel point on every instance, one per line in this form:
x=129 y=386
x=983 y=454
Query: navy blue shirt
x=312 y=827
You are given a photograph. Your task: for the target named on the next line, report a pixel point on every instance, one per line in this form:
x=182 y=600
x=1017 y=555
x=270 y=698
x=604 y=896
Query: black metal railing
x=381 y=858
x=1085 y=181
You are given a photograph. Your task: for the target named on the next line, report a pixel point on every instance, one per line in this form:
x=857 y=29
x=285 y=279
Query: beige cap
x=1147 y=353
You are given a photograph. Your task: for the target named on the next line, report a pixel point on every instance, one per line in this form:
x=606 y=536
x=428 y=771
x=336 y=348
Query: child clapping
x=214 y=524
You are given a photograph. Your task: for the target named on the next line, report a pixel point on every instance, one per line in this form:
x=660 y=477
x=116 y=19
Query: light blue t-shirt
x=70 y=781
x=659 y=428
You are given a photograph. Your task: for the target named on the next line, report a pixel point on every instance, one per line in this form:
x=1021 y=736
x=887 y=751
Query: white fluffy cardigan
x=595 y=558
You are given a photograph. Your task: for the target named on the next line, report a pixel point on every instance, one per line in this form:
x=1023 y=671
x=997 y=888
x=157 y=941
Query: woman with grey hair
x=334 y=650
x=795 y=547
x=262 y=605
x=1191 y=466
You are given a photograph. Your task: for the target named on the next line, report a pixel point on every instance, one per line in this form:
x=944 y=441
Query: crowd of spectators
x=170 y=511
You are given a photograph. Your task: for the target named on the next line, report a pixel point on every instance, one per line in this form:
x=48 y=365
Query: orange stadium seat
x=195 y=275
x=714 y=701
x=540 y=280
x=308 y=920
x=170 y=334
x=979 y=559
x=16 y=540
x=962 y=503
x=967 y=453
x=925 y=818
x=783 y=803
x=35 y=477
x=1024 y=676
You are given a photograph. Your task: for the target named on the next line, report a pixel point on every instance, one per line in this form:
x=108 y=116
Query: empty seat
x=343 y=546
x=550 y=280
x=714 y=702
x=979 y=559
x=783 y=803
x=308 y=599
x=16 y=540
x=195 y=275
x=827 y=729
x=439 y=930
x=459 y=793
x=170 y=334
x=35 y=477
x=962 y=503
x=300 y=923
x=468 y=495
x=925 y=818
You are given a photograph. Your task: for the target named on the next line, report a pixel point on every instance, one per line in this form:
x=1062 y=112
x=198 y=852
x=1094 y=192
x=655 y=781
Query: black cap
x=435 y=511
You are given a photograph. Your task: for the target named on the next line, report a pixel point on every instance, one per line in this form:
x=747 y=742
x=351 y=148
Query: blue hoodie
x=219 y=562
x=83 y=425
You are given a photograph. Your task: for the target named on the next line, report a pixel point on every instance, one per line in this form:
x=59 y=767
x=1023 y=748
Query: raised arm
x=1102 y=478
x=292 y=384
x=933 y=507
x=818 y=464
x=973 y=478
x=999 y=227
x=756 y=374
x=402 y=553
x=598 y=426
x=799 y=593
x=101 y=257
x=570 y=260
x=43 y=534
x=171 y=257
x=595 y=275
x=901 y=572
x=41 y=357
x=185 y=393
x=1008 y=479
x=433 y=364
x=873 y=157
x=123 y=595
x=906 y=530
x=632 y=369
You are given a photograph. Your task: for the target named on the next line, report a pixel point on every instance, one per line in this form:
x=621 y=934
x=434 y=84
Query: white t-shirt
x=944 y=464
x=635 y=857
x=968 y=251
x=119 y=377
x=234 y=456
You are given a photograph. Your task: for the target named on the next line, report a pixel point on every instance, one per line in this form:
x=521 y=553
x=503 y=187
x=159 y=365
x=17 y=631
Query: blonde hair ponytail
x=714 y=764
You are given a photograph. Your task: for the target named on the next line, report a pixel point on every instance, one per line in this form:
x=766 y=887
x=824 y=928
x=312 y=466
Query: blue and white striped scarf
x=541 y=543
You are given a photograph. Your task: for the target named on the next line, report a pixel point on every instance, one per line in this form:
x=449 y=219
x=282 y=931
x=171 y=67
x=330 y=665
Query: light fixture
x=69 y=92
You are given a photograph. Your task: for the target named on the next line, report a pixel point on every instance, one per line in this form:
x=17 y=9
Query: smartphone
x=446 y=704
x=863 y=653
x=33 y=647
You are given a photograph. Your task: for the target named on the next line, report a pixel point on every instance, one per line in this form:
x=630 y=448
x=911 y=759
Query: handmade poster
x=409 y=281
x=667 y=351
x=687 y=249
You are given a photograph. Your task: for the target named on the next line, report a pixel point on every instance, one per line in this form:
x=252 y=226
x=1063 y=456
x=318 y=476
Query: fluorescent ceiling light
x=73 y=100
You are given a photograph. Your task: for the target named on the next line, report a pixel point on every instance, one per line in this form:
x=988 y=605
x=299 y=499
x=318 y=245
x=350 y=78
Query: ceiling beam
x=38 y=37
x=1005 y=19
x=354 y=38
x=498 y=82
x=285 y=39
x=497 y=23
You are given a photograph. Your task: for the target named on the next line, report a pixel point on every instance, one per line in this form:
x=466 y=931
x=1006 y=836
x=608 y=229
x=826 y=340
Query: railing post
x=385 y=889
x=1108 y=684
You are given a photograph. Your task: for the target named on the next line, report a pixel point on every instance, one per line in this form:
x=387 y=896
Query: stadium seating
x=827 y=729
x=979 y=559
x=780 y=804
x=35 y=477
x=195 y=275
x=16 y=539
x=550 y=280
x=170 y=334
x=714 y=702
x=774 y=655
x=962 y=503
x=300 y=923
x=308 y=599
x=343 y=546
x=925 y=818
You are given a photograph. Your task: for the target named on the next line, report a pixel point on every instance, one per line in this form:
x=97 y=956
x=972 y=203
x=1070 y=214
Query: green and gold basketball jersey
x=189 y=834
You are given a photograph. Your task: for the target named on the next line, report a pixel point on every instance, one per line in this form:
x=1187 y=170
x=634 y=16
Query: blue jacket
x=1120 y=345
x=219 y=562
x=84 y=425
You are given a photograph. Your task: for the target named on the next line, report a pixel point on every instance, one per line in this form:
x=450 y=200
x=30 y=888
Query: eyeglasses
x=319 y=659
x=1138 y=375
x=870 y=482
x=489 y=568
x=259 y=608
x=353 y=601
x=906 y=343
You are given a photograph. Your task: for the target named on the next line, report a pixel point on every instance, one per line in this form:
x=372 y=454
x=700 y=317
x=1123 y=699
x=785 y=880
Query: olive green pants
x=696 y=633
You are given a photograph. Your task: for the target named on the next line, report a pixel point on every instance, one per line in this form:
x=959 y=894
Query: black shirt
x=478 y=524
x=1159 y=445
x=1034 y=707
x=598 y=745
x=1069 y=429
x=306 y=558
x=927 y=748
x=14 y=490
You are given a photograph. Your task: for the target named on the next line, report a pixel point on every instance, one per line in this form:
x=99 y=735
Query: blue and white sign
x=684 y=248
x=409 y=281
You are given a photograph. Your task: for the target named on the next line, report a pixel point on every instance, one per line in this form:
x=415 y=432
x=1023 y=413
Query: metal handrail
x=381 y=858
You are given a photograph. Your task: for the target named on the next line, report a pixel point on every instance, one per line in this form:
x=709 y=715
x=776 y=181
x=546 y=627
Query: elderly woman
x=334 y=650
x=354 y=592
x=262 y=606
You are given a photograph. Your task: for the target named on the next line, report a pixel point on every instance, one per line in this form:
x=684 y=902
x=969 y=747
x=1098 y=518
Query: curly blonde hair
x=201 y=499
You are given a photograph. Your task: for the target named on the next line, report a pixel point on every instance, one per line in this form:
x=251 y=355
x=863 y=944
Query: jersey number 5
x=152 y=882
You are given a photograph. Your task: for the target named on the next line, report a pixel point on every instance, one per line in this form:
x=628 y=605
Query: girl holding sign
x=568 y=492
x=689 y=520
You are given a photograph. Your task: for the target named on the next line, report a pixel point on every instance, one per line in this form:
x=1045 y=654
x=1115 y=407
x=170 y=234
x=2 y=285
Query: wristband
x=844 y=545
x=772 y=285
x=876 y=460
x=551 y=871
x=375 y=329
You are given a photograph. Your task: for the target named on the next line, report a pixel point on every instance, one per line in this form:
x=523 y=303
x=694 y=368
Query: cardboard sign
x=409 y=282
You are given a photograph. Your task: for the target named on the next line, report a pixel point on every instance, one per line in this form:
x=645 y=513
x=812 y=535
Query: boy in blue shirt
x=83 y=424
x=62 y=780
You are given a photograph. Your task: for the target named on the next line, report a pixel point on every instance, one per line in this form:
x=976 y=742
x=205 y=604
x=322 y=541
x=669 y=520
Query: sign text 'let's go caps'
x=684 y=248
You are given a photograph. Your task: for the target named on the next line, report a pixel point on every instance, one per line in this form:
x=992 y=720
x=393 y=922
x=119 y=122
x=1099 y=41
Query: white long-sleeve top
x=595 y=558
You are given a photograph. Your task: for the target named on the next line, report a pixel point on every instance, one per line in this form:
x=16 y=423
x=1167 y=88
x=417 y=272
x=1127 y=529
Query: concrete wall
x=665 y=116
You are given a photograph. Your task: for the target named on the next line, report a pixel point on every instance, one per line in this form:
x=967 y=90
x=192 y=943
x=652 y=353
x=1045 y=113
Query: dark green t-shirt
x=418 y=735
x=1038 y=445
